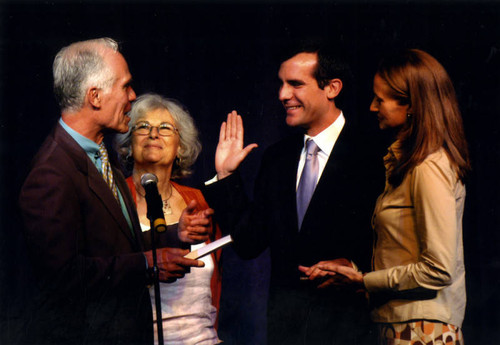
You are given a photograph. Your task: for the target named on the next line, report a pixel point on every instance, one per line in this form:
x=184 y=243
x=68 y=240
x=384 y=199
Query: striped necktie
x=107 y=173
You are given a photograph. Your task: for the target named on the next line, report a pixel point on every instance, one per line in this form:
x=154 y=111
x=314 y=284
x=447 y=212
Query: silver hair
x=190 y=145
x=80 y=66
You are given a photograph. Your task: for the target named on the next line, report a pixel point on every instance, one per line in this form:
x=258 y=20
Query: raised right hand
x=230 y=152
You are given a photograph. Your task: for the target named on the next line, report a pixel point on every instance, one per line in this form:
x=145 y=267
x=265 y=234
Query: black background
x=219 y=56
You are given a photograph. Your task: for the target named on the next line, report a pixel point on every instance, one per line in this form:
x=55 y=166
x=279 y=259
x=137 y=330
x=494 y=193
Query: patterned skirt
x=421 y=332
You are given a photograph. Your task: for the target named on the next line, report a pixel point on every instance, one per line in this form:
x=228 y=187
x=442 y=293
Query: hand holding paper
x=209 y=248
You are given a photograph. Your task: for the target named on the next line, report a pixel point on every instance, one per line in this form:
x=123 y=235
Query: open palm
x=230 y=151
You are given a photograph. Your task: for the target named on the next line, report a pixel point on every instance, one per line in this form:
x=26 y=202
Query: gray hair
x=190 y=145
x=78 y=67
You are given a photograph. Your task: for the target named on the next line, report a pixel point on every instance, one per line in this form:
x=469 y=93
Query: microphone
x=153 y=201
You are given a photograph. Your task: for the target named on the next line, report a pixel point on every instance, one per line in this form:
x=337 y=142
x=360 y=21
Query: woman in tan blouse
x=417 y=287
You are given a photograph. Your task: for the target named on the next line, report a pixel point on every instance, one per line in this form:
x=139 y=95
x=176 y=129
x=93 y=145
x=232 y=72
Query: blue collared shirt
x=92 y=150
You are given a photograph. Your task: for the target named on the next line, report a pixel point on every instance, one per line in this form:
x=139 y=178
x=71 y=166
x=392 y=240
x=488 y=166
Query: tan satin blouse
x=418 y=246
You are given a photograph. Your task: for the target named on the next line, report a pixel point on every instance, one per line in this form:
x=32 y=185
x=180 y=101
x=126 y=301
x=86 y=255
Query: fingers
x=249 y=149
x=222 y=133
x=309 y=270
x=195 y=226
x=338 y=272
x=191 y=213
x=191 y=207
x=192 y=217
x=306 y=270
x=196 y=234
x=329 y=266
x=232 y=118
x=207 y=213
x=196 y=220
x=348 y=272
x=165 y=255
x=230 y=152
x=168 y=252
x=173 y=265
x=232 y=128
x=194 y=238
x=318 y=273
x=314 y=272
x=239 y=126
x=184 y=263
x=228 y=129
x=232 y=133
x=303 y=269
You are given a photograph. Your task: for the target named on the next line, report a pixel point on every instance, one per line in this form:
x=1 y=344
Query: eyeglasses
x=165 y=129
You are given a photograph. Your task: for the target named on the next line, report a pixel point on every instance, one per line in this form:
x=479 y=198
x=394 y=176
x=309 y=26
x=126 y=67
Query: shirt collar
x=393 y=155
x=327 y=138
x=89 y=146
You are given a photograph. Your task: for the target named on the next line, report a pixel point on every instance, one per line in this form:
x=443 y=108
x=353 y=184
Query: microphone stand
x=156 y=282
x=153 y=199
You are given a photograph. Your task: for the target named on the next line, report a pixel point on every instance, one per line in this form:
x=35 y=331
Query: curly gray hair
x=78 y=67
x=190 y=145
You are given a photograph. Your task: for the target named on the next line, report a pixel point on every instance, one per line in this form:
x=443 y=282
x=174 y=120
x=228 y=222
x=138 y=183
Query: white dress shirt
x=325 y=141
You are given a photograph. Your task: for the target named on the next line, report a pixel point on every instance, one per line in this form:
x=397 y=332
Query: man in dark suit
x=82 y=229
x=301 y=230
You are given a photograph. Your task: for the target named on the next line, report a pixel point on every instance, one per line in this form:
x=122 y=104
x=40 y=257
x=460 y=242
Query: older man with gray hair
x=81 y=225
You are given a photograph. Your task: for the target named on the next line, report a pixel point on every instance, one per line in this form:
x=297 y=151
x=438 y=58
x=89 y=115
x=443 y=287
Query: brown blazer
x=89 y=263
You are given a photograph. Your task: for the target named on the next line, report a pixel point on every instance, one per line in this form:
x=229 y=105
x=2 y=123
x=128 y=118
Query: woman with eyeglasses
x=417 y=286
x=163 y=140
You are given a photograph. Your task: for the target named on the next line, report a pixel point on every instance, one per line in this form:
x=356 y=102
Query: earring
x=408 y=115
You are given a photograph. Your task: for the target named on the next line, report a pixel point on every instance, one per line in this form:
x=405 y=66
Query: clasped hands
x=194 y=227
x=338 y=272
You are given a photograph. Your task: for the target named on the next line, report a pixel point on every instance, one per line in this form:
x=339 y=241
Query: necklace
x=166 y=205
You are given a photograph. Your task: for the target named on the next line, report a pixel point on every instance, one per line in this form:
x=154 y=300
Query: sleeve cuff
x=212 y=180
x=375 y=281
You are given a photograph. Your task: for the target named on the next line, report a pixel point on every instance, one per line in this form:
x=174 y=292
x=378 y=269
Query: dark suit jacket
x=336 y=224
x=89 y=263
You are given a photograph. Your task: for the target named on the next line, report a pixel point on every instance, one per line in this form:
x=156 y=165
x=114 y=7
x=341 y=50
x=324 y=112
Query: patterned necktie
x=107 y=173
x=308 y=179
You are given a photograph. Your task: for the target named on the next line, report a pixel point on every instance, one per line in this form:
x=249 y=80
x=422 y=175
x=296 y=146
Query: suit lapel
x=95 y=181
x=104 y=193
x=334 y=164
x=289 y=176
x=130 y=205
